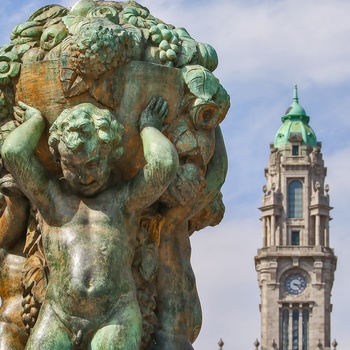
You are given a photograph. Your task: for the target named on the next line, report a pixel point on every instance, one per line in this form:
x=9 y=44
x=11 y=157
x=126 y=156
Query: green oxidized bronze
x=112 y=156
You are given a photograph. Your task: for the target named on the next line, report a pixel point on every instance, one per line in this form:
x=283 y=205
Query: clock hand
x=295 y=284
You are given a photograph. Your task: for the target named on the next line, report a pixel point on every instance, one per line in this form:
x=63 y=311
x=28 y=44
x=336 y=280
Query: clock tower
x=295 y=264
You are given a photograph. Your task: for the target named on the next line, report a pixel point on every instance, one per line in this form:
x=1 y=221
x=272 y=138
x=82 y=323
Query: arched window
x=295 y=199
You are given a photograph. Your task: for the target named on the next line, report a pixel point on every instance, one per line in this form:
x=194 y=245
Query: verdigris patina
x=112 y=156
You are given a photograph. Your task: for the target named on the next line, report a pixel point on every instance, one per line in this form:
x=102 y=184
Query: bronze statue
x=112 y=146
x=88 y=226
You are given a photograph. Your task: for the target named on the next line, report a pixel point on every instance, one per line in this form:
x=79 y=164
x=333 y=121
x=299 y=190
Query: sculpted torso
x=90 y=254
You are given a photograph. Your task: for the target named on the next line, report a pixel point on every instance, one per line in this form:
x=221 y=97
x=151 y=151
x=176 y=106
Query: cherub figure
x=89 y=224
x=14 y=211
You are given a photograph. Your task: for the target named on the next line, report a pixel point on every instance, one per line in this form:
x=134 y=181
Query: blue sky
x=265 y=47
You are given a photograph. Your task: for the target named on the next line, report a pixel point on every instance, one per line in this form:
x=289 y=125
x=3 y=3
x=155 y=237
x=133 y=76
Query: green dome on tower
x=295 y=123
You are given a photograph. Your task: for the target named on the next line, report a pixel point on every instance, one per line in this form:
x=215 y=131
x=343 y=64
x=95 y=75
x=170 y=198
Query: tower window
x=305 y=329
x=295 y=150
x=290 y=334
x=285 y=329
x=295 y=340
x=295 y=199
x=295 y=238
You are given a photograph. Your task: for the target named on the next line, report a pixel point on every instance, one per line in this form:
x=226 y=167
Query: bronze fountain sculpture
x=112 y=156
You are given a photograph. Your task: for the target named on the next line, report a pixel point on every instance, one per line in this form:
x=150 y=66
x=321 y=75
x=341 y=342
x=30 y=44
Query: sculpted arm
x=214 y=178
x=20 y=160
x=13 y=220
x=162 y=160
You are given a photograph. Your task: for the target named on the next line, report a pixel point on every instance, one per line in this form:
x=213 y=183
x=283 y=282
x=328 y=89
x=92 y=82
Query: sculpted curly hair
x=83 y=124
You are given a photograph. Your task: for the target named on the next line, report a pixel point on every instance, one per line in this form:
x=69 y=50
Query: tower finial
x=295 y=98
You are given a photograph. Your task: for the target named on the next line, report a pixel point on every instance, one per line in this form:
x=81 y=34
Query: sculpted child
x=14 y=212
x=89 y=225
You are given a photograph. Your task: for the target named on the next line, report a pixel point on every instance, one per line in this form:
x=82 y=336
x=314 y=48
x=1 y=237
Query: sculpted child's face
x=84 y=156
x=86 y=171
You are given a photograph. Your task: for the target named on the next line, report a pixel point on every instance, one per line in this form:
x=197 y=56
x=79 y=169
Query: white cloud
x=303 y=40
x=223 y=259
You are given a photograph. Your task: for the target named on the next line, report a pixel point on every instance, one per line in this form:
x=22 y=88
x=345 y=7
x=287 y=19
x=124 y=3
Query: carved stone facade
x=295 y=264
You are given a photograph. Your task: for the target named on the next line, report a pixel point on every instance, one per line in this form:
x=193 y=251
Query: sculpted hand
x=9 y=187
x=24 y=112
x=155 y=112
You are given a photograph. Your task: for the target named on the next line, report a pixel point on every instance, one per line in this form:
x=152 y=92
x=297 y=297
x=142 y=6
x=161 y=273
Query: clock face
x=295 y=284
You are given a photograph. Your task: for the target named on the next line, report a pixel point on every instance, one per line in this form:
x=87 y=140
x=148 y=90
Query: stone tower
x=295 y=264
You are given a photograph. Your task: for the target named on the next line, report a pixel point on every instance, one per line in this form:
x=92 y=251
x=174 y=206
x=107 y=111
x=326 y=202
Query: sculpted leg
x=121 y=332
x=49 y=333
x=12 y=330
x=11 y=337
x=178 y=307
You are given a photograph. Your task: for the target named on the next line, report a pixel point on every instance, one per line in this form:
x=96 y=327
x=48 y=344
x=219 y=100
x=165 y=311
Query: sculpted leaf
x=188 y=52
x=26 y=32
x=108 y=12
x=200 y=81
x=207 y=56
x=35 y=277
x=48 y=12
